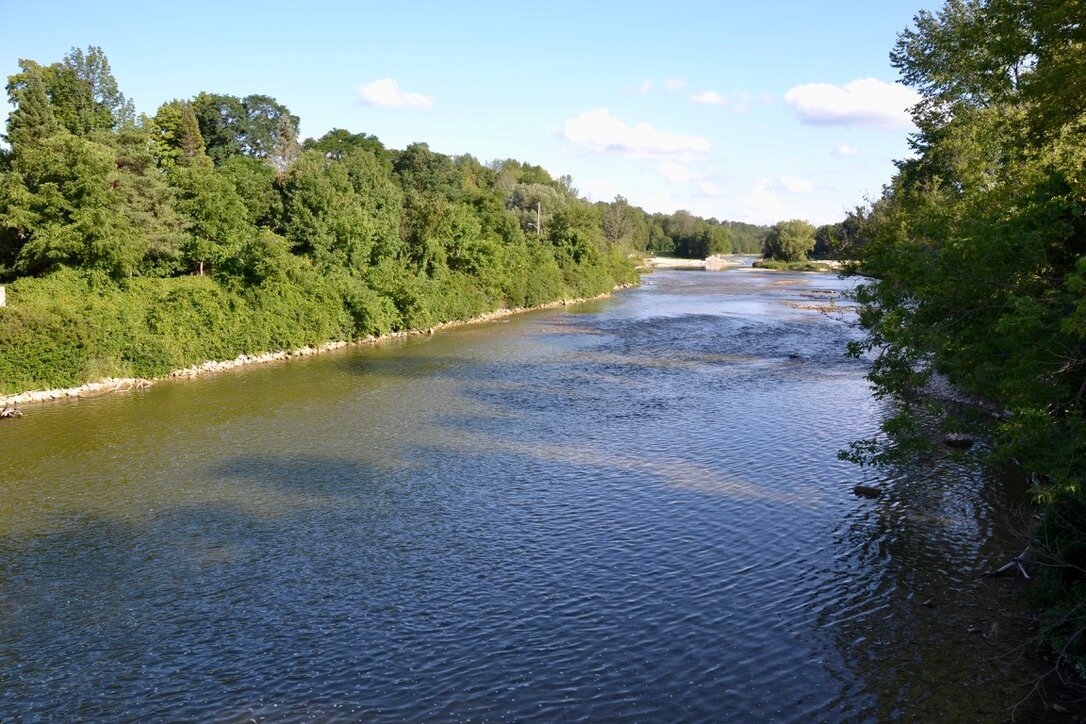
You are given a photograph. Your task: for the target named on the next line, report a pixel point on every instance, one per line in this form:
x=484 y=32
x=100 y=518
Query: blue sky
x=750 y=111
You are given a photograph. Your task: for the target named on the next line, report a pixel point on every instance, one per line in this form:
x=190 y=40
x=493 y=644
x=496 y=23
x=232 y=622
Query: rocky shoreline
x=126 y=384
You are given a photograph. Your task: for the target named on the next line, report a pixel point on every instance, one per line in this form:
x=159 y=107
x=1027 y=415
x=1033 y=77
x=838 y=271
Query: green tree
x=147 y=203
x=222 y=120
x=217 y=224
x=268 y=125
x=33 y=118
x=975 y=259
x=343 y=213
x=64 y=206
x=178 y=136
x=255 y=182
x=251 y=126
x=789 y=240
x=85 y=95
x=337 y=143
x=285 y=147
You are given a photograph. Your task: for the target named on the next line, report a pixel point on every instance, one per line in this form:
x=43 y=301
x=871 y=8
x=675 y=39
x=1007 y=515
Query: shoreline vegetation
x=974 y=261
x=796 y=266
x=210 y=367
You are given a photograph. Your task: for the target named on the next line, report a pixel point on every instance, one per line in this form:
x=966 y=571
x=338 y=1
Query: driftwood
x=1011 y=567
x=9 y=413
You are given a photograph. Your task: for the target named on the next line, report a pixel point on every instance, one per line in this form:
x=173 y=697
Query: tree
x=255 y=182
x=85 y=95
x=222 y=120
x=789 y=241
x=190 y=142
x=286 y=148
x=337 y=143
x=268 y=125
x=343 y=213
x=618 y=222
x=178 y=136
x=33 y=118
x=64 y=207
x=974 y=257
x=216 y=218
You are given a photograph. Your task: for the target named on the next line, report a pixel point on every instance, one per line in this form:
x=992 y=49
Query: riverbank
x=127 y=384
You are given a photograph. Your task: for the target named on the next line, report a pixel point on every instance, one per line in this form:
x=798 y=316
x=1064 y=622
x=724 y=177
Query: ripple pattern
x=630 y=510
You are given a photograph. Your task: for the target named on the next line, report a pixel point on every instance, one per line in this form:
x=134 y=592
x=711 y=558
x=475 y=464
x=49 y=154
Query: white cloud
x=866 y=102
x=797 y=185
x=845 y=151
x=674 y=84
x=711 y=98
x=645 y=88
x=674 y=172
x=386 y=93
x=598 y=189
x=604 y=133
x=709 y=188
x=762 y=204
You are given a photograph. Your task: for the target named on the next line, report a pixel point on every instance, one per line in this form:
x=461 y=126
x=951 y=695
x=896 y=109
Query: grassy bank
x=801 y=266
x=75 y=327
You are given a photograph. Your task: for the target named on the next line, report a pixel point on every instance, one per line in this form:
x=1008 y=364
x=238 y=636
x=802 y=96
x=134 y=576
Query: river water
x=625 y=509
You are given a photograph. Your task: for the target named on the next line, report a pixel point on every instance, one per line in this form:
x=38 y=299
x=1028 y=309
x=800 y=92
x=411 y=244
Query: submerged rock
x=867 y=491
x=958 y=440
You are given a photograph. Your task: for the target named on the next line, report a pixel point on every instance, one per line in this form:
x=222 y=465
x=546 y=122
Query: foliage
x=777 y=265
x=789 y=241
x=139 y=246
x=257 y=125
x=178 y=136
x=337 y=143
x=976 y=253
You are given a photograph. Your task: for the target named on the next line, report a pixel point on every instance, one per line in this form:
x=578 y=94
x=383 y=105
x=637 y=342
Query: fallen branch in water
x=1015 y=564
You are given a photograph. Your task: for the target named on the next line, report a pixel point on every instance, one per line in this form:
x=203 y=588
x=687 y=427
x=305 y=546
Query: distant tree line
x=679 y=234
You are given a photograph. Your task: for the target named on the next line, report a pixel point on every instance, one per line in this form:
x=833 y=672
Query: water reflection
x=626 y=510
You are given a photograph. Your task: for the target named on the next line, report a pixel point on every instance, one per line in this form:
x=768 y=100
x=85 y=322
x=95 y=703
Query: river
x=625 y=509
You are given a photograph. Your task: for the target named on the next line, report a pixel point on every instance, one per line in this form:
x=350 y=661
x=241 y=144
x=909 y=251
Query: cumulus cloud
x=797 y=185
x=597 y=189
x=386 y=93
x=603 y=133
x=674 y=172
x=762 y=205
x=711 y=98
x=845 y=151
x=867 y=102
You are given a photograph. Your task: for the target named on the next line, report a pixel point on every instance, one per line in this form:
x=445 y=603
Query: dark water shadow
x=925 y=623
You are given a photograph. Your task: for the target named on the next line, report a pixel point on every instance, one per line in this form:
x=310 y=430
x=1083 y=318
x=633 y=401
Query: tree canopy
x=789 y=241
x=976 y=251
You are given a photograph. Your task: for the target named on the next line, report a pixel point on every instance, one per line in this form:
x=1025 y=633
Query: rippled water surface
x=624 y=509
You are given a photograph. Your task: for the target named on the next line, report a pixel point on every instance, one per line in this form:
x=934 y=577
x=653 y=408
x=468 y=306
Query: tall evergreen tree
x=285 y=149
x=190 y=142
x=33 y=118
